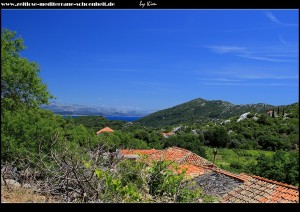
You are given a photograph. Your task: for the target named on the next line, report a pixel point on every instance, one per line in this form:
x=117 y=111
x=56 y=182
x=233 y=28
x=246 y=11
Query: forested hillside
x=200 y=111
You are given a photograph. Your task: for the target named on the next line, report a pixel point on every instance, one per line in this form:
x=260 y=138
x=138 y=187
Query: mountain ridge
x=84 y=110
x=201 y=111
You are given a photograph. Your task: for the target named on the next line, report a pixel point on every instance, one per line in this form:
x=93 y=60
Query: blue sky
x=155 y=59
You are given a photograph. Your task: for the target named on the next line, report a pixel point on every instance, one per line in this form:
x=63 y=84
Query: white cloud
x=266 y=76
x=271 y=54
x=123 y=70
x=150 y=84
x=226 y=49
x=250 y=29
x=283 y=41
x=274 y=19
x=250 y=84
x=221 y=79
x=264 y=58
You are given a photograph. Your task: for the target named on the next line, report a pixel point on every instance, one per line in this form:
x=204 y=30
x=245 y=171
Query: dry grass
x=23 y=195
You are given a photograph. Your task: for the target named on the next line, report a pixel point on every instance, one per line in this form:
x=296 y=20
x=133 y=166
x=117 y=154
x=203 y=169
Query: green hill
x=200 y=111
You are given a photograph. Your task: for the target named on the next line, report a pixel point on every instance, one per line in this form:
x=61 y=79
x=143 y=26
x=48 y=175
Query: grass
x=23 y=195
x=234 y=160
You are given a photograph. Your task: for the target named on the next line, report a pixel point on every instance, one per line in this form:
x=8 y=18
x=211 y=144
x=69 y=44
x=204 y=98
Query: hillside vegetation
x=199 y=111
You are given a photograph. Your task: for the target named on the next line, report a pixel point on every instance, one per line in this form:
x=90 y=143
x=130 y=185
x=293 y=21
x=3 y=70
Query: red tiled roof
x=138 y=151
x=261 y=190
x=274 y=182
x=170 y=154
x=254 y=188
x=243 y=177
x=196 y=159
x=186 y=159
x=192 y=170
x=166 y=134
x=180 y=156
x=105 y=129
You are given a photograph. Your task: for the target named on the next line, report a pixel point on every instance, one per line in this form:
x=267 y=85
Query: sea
x=123 y=118
x=117 y=118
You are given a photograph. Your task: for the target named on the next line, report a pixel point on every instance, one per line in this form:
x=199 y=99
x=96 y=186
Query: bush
x=282 y=166
x=236 y=165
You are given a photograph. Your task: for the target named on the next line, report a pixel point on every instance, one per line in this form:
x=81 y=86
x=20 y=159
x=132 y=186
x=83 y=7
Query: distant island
x=83 y=110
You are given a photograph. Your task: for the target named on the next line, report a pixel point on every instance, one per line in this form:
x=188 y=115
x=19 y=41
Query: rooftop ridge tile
x=230 y=174
x=275 y=182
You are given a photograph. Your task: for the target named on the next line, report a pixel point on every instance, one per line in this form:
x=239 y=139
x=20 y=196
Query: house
x=270 y=113
x=135 y=153
x=228 y=187
x=192 y=163
x=180 y=156
x=105 y=129
x=167 y=134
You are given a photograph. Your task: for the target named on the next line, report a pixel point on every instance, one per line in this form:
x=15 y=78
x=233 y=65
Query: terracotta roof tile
x=195 y=159
x=275 y=182
x=192 y=170
x=243 y=177
x=105 y=129
x=180 y=156
x=138 y=151
x=167 y=134
x=251 y=189
x=168 y=155
x=263 y=190
x=192 y=163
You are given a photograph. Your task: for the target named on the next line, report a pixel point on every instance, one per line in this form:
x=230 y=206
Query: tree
x=142 y=135
x=217 y=137
x=281 y=166
x=20 y=83
x=263 y=119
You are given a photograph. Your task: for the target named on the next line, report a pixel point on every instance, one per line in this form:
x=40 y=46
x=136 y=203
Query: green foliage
x=164 y=182
x=135 y=181
x=187 y=141
x=263 y=119
x=132 y=172
x=266 y=132
x=31 y=129
x=282 y=167
x=114 y=191
x=118 y=139
x=235 y=160
x=98 y=122
x=250 y=115
x=199 y=111
x=271 y=142
x=141 y=135
x=20 y=83
x=217 y=137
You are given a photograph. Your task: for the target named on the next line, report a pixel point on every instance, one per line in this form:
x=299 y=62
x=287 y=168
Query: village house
x=228 y=187
x=270 y=113
x=105 y=129
x=167 y=134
